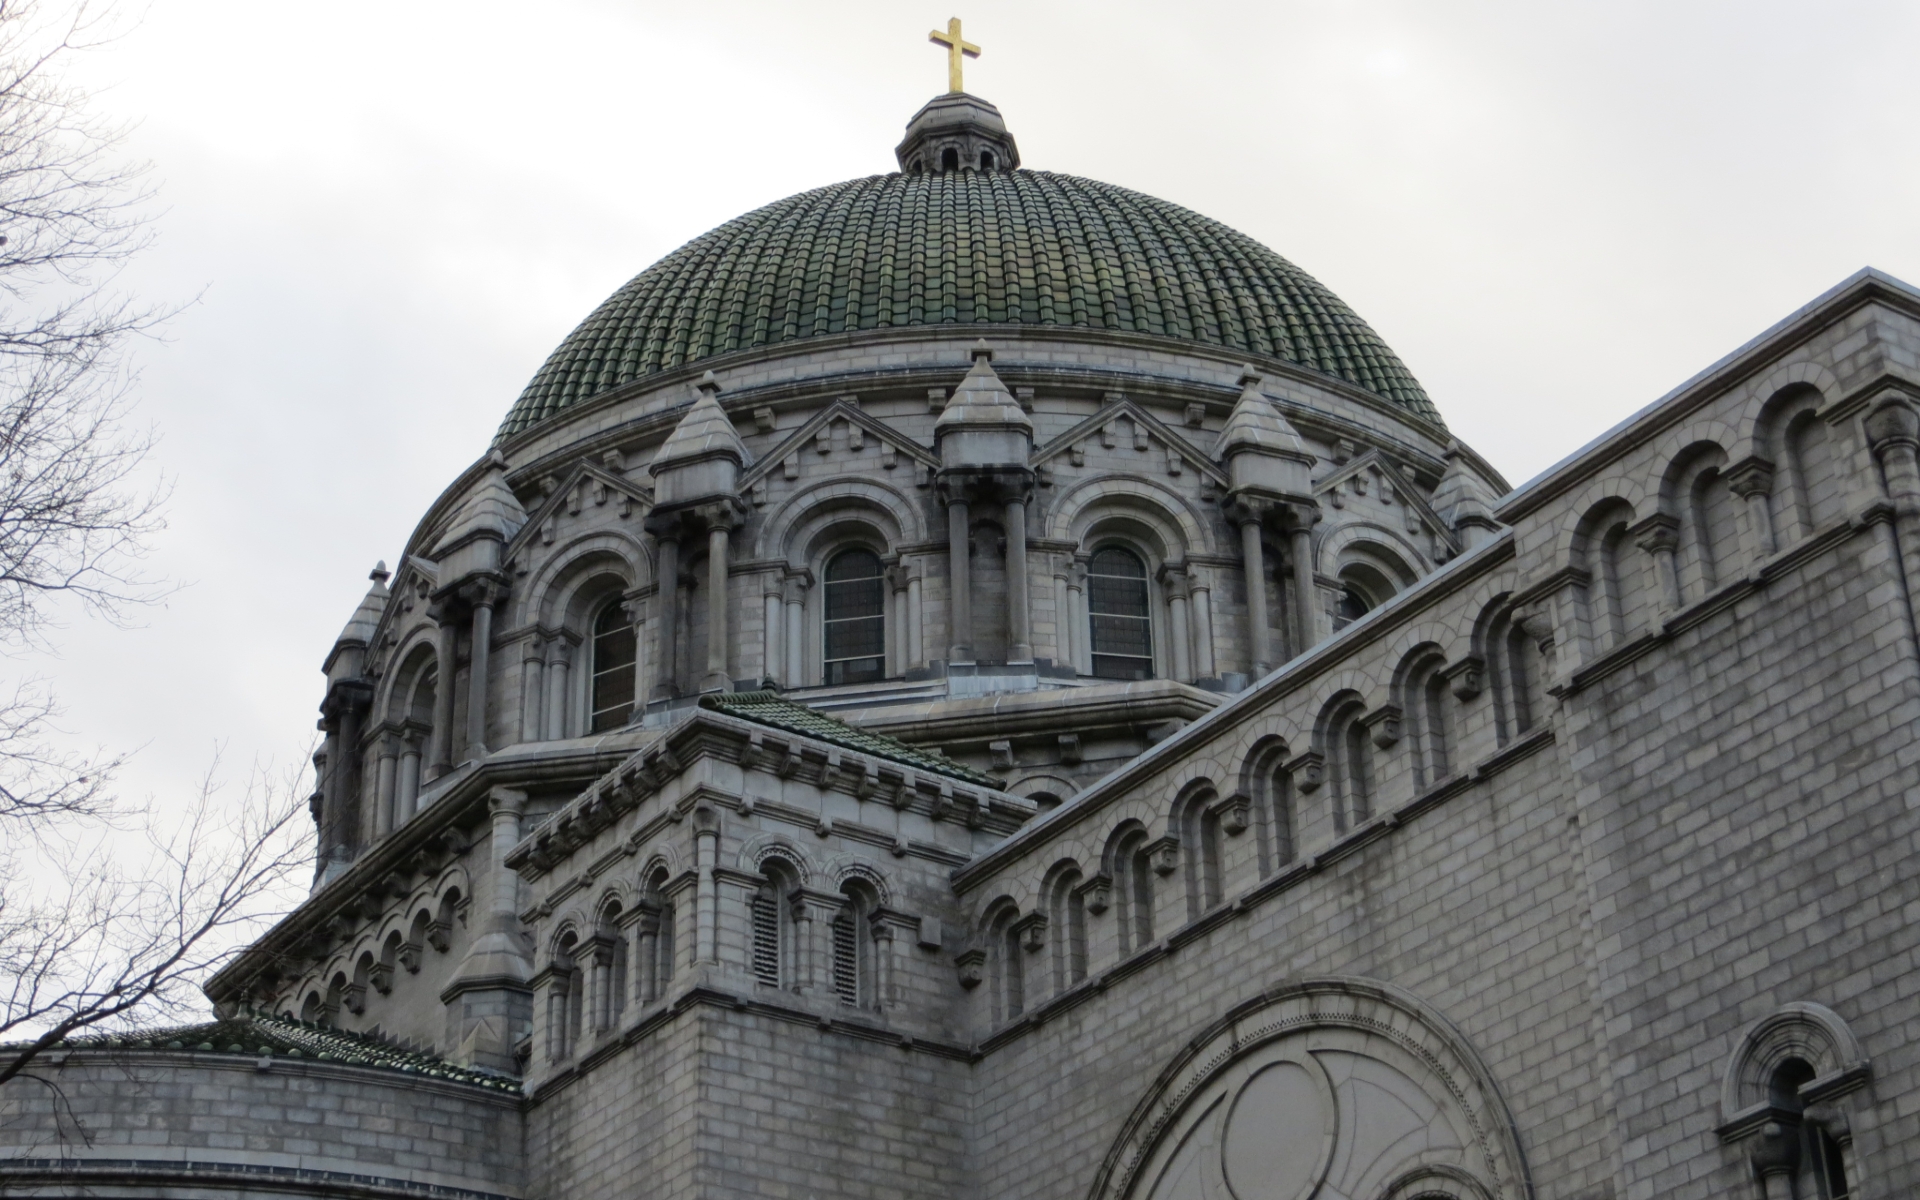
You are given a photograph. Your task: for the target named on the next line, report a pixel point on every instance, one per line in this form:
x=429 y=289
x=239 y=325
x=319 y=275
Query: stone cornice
x=1859 y=290
x=419 y=845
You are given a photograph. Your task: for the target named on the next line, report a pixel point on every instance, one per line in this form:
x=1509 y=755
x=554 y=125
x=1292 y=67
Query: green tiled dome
x=1006 y=247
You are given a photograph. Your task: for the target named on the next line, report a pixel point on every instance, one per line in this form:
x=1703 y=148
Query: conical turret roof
x=982 y=399
x=1256 y=424
x=491 y=510
x=704 y=432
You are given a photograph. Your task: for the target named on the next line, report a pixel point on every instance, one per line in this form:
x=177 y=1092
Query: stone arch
x=1420 y=689
x=402 y=698
x=1047 y=789
x=1341 y=738
x=1064 y=901
x=1758 y=436
x=1171 y=514
x=1694 y=492
x=551 y=593
x=1390 y=546
x=842 y=869
x=1005 y=994
x=1619 y=588
x=1124 y=861
x=1279 y=1064
x=756 y=850
x=1811 y=1032
x=888 y=509
x=1268 y=786
x=1193 y=819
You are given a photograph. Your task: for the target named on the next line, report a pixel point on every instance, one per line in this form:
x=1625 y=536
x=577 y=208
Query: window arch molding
x=1372 y=571
x=1802 y=1029
x=566 y=600
x=1172 y=517
x=1342 y=738
x=796 y=526
x=1428 y=713
x=1285 y=1023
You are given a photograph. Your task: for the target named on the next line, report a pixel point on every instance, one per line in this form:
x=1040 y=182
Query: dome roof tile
x=963 y=247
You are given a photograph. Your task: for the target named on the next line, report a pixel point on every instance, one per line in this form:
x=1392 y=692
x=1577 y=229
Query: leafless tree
x=124 y=907
x=123 y=934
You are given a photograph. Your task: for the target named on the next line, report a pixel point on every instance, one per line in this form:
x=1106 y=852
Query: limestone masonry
x=975 y=682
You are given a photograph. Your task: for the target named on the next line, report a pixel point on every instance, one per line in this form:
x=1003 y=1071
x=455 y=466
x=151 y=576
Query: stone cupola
x=1262 y=450
x=1460 y=499
x=983 y=424
x=957 y=132
x=702 y=458
x=484 y=525
x=347 y=657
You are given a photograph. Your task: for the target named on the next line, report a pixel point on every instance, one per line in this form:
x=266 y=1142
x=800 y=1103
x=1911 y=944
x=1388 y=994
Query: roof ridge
x=765 y=707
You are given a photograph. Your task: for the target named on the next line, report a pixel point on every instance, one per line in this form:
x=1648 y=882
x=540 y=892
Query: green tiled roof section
x=283 y=1038
x=1021 y=247
x=768 y=708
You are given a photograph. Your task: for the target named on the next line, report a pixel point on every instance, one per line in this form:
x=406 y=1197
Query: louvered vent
x=766 y=939
x=846 y=958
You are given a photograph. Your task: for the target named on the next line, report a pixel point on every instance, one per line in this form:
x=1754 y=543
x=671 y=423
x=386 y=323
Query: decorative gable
x=845 y=439
x=1125 y=426
x=589 y=488
x=1375 y=482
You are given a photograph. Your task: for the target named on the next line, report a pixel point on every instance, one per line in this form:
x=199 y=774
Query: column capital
x=1658 y=532
x=506 y=801
x=1750 y=477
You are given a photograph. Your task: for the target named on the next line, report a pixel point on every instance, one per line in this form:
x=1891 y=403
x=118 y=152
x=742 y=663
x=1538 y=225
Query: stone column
x=635 y=611
x=532 y=681
x=1063 y=632
x=706 y=857
x=1019 y=611
x=1752 y=481
x=795 y=639
x=559 y=667
x=493 y=982
x=440 y=753
x=477 y=673
x=667 y=593
x=1077 y=616
x=1202 y=608
x=717 y=679
x=645 y=972
x=896 y=622
x=347 y=821
x=916 y=634
x=407 y=794
x=772 y=663
x=1893 y=435
x=1173 y=580
x=384 y=817
x=1304 y=588
x=1659 y=535
x=1253 y=554
x=959 y=565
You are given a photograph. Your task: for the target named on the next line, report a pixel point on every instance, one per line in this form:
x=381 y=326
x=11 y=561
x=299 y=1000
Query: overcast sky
x=1554 y=212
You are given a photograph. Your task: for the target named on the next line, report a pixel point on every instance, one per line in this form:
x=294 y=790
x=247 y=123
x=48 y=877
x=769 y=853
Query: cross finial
x=957 y=49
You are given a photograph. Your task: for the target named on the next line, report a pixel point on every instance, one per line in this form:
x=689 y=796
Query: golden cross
x=956 y=48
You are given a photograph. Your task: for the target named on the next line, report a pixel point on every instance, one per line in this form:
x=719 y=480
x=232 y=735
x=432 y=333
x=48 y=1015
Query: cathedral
x=976 y=682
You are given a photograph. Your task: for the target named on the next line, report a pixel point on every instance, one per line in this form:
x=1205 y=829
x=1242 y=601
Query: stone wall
x=136 y=1124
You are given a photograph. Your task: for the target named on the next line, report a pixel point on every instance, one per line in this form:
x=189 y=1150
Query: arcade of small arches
x=1626 y=573
x=832 y=941
x=425 y=925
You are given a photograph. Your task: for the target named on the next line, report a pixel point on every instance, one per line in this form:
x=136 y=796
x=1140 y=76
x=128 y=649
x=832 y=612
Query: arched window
x=856 y=624
x=986 y=160
x=950 y=159
x=609 y=975
x=1118 y=614
x=614 y=649
x=656 y=938
x=1351 y=606
x=1821 y=1172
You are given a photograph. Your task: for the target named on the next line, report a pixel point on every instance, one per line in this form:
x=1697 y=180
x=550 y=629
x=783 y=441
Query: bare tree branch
x=104 y=942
